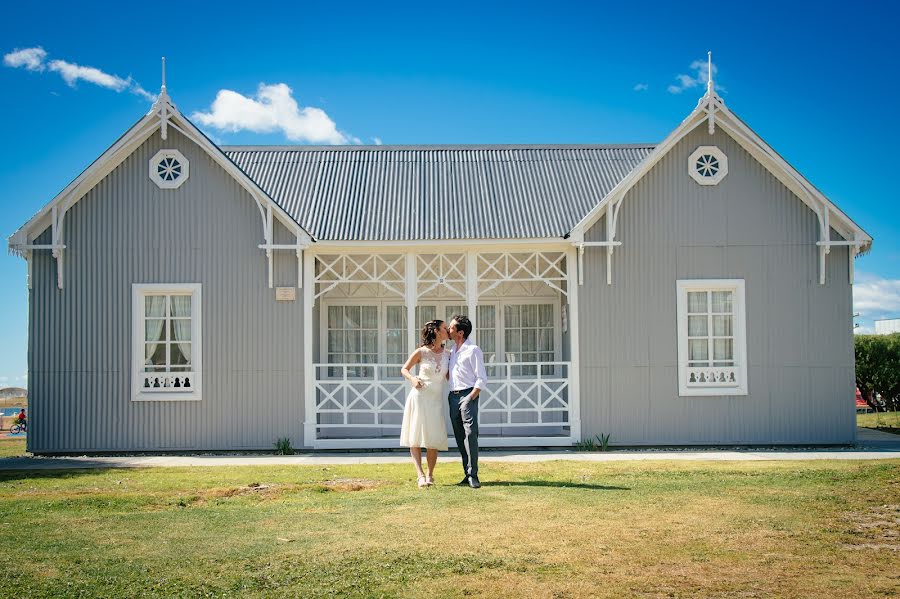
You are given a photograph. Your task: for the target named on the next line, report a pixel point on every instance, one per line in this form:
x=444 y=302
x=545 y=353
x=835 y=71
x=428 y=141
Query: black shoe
x=474 y=482
x=464 y=482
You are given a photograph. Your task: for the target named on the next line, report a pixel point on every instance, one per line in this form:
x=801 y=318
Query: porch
x=364 y=310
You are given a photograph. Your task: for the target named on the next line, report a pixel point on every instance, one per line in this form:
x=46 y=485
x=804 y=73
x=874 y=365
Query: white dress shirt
x=467 y=367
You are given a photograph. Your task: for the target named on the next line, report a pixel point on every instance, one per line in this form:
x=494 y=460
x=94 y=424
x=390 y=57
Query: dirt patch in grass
x=351 y=484
x=876 y=528
x=262 y=492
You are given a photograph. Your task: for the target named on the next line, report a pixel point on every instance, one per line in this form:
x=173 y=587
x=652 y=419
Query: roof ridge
x=414 y=147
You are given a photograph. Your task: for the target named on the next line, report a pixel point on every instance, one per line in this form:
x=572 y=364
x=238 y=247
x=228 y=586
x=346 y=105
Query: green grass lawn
x=12 y=446
x=883 y=421
x=554 y=529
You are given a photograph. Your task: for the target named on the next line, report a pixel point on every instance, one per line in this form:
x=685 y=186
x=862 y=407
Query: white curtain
x=155 y=313
x=181 y=308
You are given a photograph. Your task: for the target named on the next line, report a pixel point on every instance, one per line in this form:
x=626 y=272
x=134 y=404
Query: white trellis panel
x=443 y=272
x=359 y=395
x=526 y=394
x=495 y=269
x=387 y=270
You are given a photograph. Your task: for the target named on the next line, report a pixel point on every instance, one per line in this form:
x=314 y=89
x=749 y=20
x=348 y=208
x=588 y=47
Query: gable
x=712 y=115
x=748 y=207
x=163 y=117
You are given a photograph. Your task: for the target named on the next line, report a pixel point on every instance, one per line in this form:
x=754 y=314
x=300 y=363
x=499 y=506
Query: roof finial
x=710 y=87
x=163 y=74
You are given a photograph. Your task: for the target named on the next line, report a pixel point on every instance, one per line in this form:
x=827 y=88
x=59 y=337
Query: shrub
x=283 y=446
x=878 y=369
x=598 y=443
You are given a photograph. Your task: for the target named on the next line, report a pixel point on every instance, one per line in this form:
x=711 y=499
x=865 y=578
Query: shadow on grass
x=46 y=470
x=551 y=483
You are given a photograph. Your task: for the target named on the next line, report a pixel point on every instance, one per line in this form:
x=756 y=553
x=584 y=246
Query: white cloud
x=137 y=90
x=641 y=87
x=31 y=59
x=4 y=380
x=864 y=330
x=377 y=141
x=876 y=297
x=700 y=77
x=273 y=109
x=72 y=73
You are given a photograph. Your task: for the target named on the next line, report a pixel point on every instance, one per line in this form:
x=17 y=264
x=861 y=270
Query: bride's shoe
x=423 y=482
x=429 y=480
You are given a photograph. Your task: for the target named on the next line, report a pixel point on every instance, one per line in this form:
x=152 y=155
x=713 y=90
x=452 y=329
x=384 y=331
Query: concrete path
x=871 y=445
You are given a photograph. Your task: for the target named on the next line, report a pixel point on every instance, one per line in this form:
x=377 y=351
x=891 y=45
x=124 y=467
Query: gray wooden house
x=189 y=296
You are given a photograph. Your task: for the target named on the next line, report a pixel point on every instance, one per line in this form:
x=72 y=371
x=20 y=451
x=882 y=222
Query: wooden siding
x=799 y=334
x=129 y=231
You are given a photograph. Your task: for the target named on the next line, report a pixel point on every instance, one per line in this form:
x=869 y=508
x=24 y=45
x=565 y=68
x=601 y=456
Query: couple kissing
x=424 y=425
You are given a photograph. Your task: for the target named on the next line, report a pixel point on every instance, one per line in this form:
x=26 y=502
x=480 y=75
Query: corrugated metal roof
x=437 y=192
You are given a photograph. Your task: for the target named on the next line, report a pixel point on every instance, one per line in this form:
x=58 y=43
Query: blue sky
x=817 y=81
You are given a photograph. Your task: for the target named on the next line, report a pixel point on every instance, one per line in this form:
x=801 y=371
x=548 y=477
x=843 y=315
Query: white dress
x=424 y=424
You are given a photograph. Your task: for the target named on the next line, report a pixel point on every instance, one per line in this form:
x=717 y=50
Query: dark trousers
x=464 y=416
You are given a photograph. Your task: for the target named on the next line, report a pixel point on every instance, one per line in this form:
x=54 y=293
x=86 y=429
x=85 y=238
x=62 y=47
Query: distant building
x=887 y=326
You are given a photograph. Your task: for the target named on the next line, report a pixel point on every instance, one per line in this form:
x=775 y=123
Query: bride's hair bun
x=430 y=331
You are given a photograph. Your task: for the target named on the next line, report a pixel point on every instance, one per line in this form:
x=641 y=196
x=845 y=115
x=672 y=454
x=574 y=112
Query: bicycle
x=19 y=427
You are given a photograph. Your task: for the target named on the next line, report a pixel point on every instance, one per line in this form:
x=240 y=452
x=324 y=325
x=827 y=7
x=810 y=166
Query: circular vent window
x=169 y=169
x=708 y=165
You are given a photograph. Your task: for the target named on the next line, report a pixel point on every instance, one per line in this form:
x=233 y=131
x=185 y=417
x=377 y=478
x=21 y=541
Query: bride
x=423 y=416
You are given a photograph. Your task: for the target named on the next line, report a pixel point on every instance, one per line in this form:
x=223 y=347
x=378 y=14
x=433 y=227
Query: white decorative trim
x=175 y=169
x=717 y=381
x=163 y=116
x=711 y=110
x=138 y=292
x=708 y=165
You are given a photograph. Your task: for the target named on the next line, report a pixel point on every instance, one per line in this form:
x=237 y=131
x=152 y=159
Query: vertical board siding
x=127 y=230
x=799 y=334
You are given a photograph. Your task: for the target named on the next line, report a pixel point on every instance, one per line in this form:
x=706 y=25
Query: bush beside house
x=878 y=370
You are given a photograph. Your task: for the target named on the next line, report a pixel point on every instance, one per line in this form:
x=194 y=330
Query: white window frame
x=139 y=291
x=179 y=181
x=739 y=387
x=716 y=153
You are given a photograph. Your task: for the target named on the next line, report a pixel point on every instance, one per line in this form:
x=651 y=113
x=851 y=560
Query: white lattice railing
x=526 y=394
x=519 y=394
x=167 y=382
x=715 y=376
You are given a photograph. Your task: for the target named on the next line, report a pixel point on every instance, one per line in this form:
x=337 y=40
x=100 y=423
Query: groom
x=467 y=379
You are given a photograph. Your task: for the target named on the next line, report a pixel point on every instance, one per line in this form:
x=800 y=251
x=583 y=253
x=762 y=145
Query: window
x=528 y=336
x=353 y=333
x=708 y=165
x=166 y=342
x=376 y=333
x=712 y=345
x=169 y=169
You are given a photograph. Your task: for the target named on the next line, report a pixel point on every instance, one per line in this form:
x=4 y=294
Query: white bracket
x=824 y=240
x=29 y=262
x=612 y=216
x=269 y=237
x=57 y=247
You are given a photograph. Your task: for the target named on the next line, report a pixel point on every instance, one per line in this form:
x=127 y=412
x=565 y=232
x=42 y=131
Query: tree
x=878 y=369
